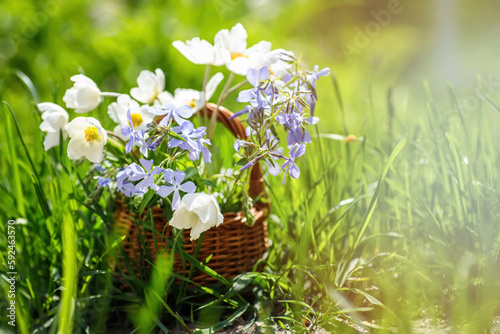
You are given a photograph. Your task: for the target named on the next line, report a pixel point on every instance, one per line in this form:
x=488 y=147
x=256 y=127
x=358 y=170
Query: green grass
x=397 y=227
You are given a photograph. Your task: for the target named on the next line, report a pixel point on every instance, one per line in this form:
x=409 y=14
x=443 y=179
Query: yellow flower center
x=235 y=55
x=192 y=104
x=91 y=133
x=350 y=138
x=136 y=119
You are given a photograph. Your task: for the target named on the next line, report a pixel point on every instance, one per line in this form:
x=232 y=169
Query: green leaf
x=190 y=171
x=374 y=201
x=175 y=135
x=238 y=313
x=242 y=162
x=29 y=84
x=41 y=197
x=208 y=183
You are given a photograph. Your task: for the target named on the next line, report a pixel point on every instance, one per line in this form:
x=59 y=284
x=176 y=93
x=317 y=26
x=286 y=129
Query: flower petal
x=179 y=177
x=183 y=218
x=147 y=164
x=184 y=111
x=95 y=151
x=164 y=191
x=188 y=187
x=77 y=148
x=51 y=140
x=212 y=85
x=176 y=199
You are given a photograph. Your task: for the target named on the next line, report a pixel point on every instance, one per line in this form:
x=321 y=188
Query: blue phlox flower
x=289 y=166
x=103 y=181
x=175 y=180
x=298 y=136
x=245 y=110
x=146 y=174
x=100 y=168
x=170 y=111
x=123 y=181
x=271 y=161
x=316 y=74
x=195 y=153
x=252 y=163
x=239 y=143
x=189 y=134
x=135 y=136
x=259 y=94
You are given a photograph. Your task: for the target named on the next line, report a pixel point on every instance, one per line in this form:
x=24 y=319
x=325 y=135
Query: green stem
x=205 y=81
x=213 y=121
x=232 y=89
x=232 y=190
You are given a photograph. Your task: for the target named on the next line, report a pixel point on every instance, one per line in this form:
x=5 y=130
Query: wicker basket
x=235 y=247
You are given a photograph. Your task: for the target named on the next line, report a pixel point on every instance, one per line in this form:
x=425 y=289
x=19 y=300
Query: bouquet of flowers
x=160 y=147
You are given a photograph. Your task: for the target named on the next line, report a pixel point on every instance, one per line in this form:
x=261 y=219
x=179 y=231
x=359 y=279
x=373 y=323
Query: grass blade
x=375 y=197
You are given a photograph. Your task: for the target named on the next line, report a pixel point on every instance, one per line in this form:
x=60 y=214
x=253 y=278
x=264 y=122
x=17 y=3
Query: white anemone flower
x=232 y=46
x=117 y=111
x=150 y=85
x=259 y=55
x=193 y=98
x=55 y=119
x=84 y=96
x=198 y=212
x=281 y=67
x=87 y=139
x=199 y=51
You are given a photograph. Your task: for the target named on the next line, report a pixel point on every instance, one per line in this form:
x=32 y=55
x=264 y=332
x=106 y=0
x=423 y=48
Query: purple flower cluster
x=138 y=179
x=287 y=102
x=136 y=136
x=192 y=141
x=183 y=136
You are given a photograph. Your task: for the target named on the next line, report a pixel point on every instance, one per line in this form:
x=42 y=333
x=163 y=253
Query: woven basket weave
x=234 y=246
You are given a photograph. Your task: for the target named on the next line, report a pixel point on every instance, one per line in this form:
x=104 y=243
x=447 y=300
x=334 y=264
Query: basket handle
x=256 y=183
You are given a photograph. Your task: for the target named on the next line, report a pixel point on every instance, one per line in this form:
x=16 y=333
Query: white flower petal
x=141 y=95
x=117 y=111
x=235 y=41
x=81 y=80
x=184 y=96
x=212 y=85
x=51 y=140
x=197 y=51
x=77 y=148
x=160 y=80
x=77 y=127
x=239 y=66
x=83 y=144
x=87 y=99
x=118 y=131
x=83 y=96
x=147 y=116
x=197 y=230
x=199 y=212
x=70 y=98
x=50 y=107
x=150 y=85
x=183 y=218
x=54 y=121
x=164 y=98
x=95 y=151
